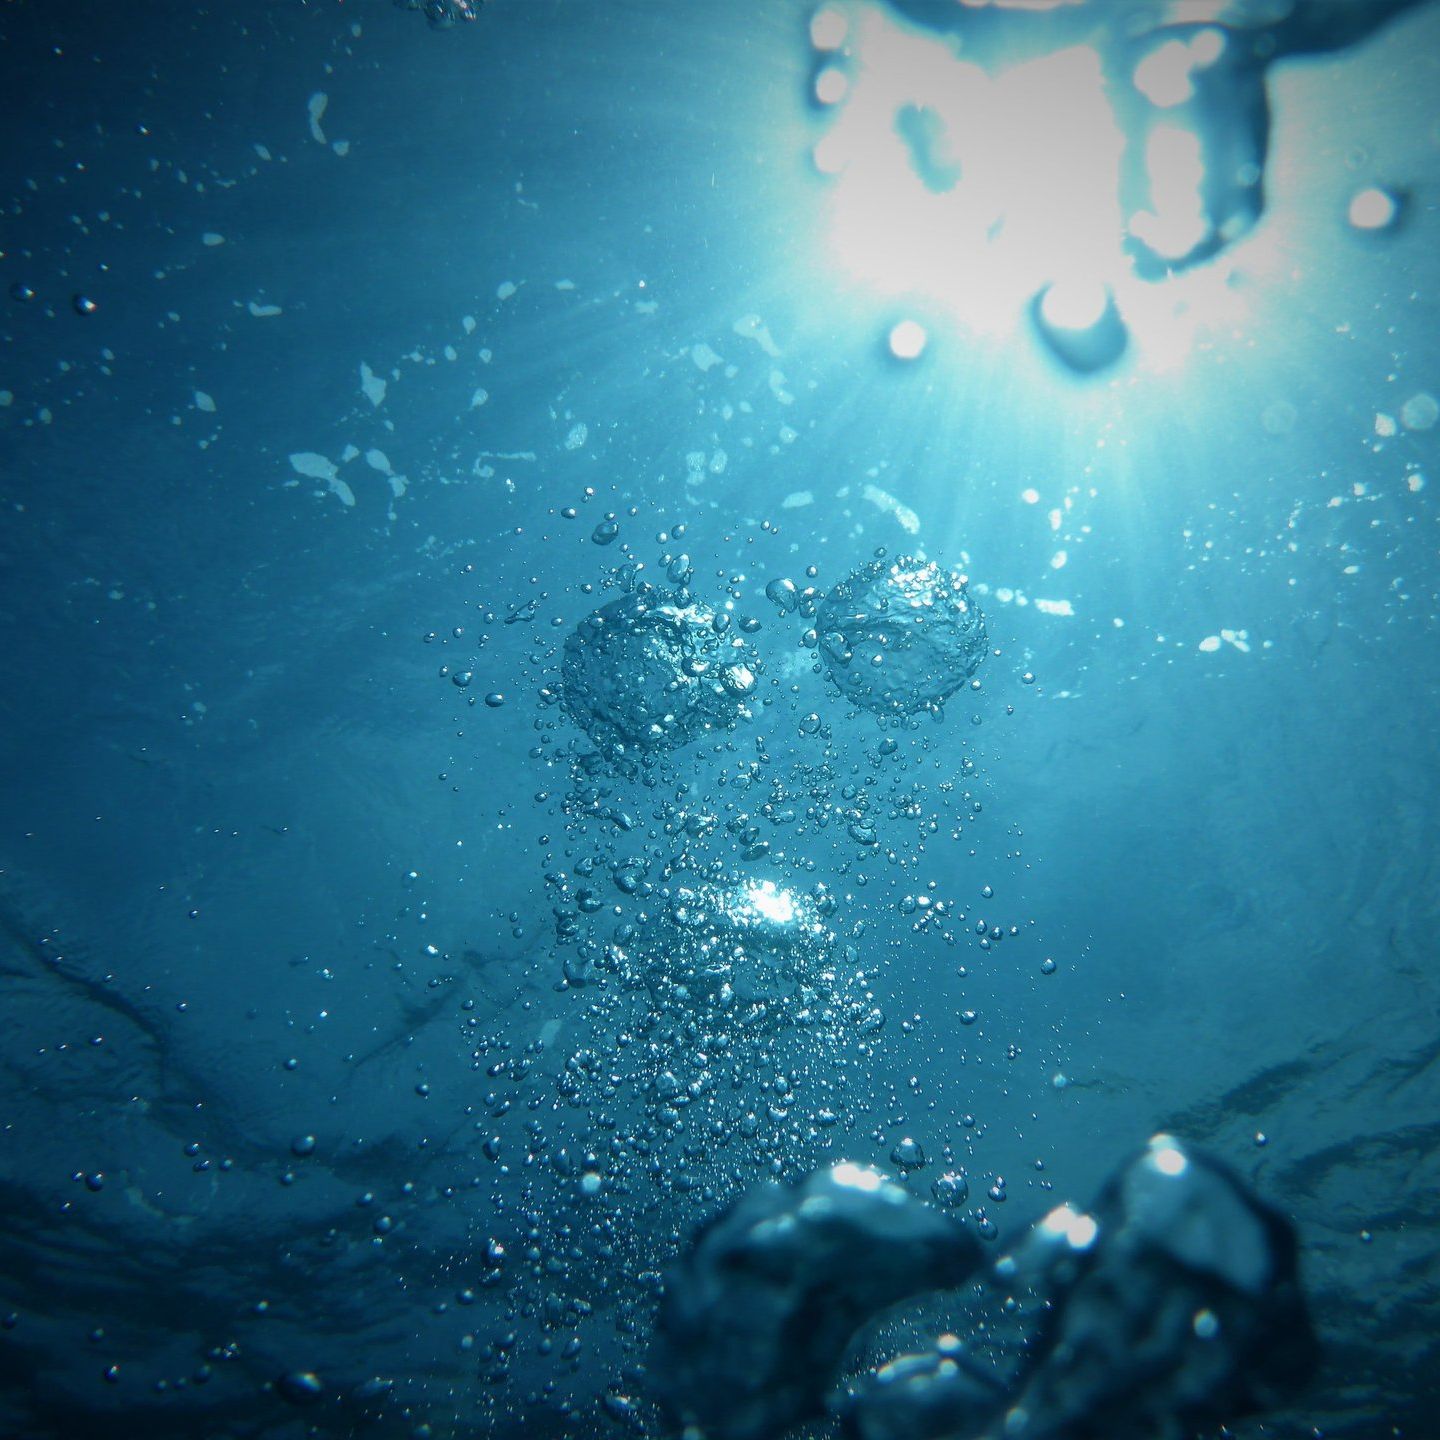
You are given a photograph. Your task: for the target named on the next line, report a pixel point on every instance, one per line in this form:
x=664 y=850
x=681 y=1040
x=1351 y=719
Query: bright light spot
x=857 y=1177
x=975 y=193
x=831 y=84
x=828 y=28
x=1058 y=560
x=1054 y=607
x=907 y=340
x=772 y=903
x=1165 y=319
x=739 y=679
x=1074 y=304
x=1030 y=497
x=1373 y=209
x=1003 y=185
x=1167 y=1157
x=1207 y=47
x=1163 y=76
x=1176 y=168
x=1077 y=1230
x=1210 y=644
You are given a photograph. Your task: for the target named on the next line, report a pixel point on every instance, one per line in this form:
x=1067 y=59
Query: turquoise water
x=366 y=1016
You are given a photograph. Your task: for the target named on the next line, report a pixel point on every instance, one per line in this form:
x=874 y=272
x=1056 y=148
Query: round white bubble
x=828 y=28
x=1373 y=209
x=1075 y=304
x=908 y=340
x=831 y=85
x=1420 y=411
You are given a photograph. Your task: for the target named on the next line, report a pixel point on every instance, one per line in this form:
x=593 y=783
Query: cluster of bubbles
x=757 y=1013
x=727 y=1029
x=653 y=670
x=901 y=635
x=749 y=946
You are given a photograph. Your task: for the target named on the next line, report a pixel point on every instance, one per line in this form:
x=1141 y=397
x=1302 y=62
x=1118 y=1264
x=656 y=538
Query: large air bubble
x=652 y=671
x=901 y=635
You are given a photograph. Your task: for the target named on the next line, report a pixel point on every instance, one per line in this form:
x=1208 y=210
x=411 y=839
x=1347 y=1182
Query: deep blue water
x=294 y=1081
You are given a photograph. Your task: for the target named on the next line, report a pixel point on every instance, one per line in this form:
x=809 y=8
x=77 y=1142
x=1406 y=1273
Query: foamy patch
x=373 y=386
x=1239 y=639
x=751 y=327
x=313 y=465
x=315 y=108
x=777 y=388
x=905 y=517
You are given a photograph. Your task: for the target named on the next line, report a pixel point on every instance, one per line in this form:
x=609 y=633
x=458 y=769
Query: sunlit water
x=398 y=965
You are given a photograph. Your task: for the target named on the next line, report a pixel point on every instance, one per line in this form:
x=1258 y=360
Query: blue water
x=294 y=1081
